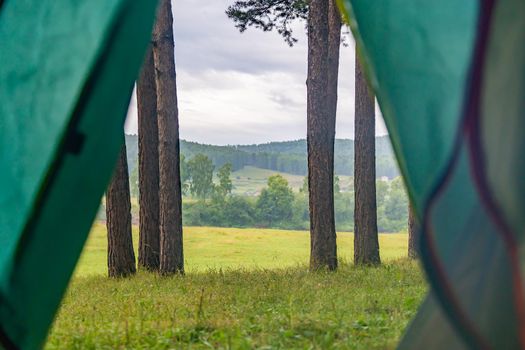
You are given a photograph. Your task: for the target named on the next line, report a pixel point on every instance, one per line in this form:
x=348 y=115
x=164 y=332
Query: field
x=244 y=289
x=213 y=248
x=251 y=180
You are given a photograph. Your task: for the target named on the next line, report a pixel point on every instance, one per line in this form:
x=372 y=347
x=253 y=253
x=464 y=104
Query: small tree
x=396 y=204
x=121 y=258
x=184 y=175
x=224 y=175
x=337 y=186
x=304 y=186
x=274 y=204
x=200 y=170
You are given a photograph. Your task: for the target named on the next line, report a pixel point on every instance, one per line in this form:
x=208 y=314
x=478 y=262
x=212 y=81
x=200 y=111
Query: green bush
x=279 y=207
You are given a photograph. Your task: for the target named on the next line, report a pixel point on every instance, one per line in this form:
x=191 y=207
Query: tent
x=67 y=72
x=450 y=79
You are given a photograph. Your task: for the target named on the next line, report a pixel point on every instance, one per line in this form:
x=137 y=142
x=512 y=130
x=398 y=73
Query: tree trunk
x=334 y=43
x=321 y=107
x=366 y=244
x=413 y=230
x=121 y=258
x=171 y=250
x=149 y=231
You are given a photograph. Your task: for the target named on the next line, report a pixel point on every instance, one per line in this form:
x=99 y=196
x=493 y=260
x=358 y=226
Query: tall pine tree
x=321 y=113
x=149 y=229
x=170 y=197
x=366 y=241
x=324 y=38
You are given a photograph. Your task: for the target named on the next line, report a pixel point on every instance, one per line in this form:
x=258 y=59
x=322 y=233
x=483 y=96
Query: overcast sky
x=244 y=88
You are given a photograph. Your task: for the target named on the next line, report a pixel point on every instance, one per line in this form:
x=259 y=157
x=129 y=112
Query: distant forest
x=287 y=157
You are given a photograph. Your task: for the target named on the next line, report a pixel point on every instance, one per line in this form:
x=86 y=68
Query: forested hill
x=287 y=156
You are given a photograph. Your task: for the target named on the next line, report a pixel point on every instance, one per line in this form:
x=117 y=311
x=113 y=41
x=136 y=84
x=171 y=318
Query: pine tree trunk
x=149 y=231
x=322 y=99
x=366 y=244
x=121 y=258
x=171 y=250
x=334 y=43
x=413 y=229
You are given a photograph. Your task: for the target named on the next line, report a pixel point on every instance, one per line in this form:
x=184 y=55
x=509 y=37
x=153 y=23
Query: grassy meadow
x=229 y=248
x=244 y=289
x=251 y=180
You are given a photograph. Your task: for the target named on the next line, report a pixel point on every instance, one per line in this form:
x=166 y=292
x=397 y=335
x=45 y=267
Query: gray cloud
x=244 y=88
x=207 y=39
x=285 y=102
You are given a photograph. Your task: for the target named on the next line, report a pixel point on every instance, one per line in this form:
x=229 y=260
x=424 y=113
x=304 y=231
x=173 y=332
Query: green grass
x=245 y=289
x=354 y=308
x=212 y=248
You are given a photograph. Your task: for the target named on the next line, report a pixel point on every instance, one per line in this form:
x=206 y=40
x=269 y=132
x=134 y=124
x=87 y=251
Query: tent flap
x=68 y=69
x=450 y=79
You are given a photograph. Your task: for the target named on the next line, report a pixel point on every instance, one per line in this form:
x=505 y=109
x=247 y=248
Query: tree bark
x=170 y=199
x=323 y=61
x=413 y=230
x=334 y=43
x=366 y=244
x=121 y=257
x=149 y=230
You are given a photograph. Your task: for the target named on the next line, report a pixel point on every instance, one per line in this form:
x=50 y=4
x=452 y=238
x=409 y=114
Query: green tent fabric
x=450 y=79
x=67 y=72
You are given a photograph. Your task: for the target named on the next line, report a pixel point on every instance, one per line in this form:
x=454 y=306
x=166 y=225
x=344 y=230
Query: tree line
x=160 y=184
x=287 y=157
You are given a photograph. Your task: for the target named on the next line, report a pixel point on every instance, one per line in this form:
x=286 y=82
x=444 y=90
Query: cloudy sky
x=244 y=88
